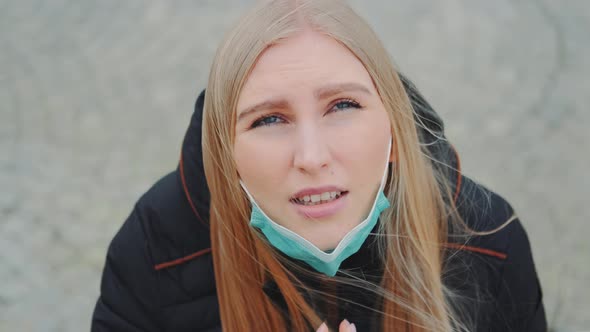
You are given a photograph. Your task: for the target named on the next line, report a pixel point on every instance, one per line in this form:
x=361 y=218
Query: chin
x=328 y=243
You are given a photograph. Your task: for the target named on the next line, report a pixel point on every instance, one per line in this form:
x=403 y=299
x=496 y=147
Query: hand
x=345 y=326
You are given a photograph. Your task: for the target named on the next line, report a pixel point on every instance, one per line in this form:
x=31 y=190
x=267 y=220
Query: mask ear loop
x=386 y=172
x=387 y=162
x=248 y=193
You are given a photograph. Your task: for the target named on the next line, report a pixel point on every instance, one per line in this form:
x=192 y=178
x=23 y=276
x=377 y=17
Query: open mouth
x=318 y=199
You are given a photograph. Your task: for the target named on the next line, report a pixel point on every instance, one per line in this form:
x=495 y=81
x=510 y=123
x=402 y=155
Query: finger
x=323 y=328
x=344 y=326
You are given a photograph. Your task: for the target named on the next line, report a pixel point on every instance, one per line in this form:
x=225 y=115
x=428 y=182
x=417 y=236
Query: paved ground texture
x=95 y=97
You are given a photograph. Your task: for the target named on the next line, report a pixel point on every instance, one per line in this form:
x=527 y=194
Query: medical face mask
x=295 y=246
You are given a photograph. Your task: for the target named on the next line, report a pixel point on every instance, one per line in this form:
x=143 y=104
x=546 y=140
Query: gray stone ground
x=95 y=97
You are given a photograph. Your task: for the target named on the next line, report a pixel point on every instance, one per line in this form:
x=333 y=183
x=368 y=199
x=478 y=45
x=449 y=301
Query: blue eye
x=345 y=104
x=267 y=121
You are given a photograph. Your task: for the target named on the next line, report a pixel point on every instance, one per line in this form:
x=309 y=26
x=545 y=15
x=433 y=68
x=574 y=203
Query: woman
x=325 y=196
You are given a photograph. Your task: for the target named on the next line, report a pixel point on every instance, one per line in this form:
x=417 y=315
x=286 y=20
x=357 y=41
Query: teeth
x=316 y=199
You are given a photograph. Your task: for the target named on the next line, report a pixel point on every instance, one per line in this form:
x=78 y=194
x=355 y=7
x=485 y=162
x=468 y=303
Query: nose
x=312 y=153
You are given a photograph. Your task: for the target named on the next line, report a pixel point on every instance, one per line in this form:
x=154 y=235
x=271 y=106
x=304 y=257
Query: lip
x=317 y=190
x=322 y=210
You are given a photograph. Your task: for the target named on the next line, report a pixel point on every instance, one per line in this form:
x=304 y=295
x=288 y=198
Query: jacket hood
x=430 y=129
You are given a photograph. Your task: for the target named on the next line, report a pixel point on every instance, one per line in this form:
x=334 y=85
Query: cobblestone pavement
x=96 y=96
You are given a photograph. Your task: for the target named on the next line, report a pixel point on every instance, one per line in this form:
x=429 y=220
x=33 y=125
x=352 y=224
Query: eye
x=267 y=120
x=345 y=104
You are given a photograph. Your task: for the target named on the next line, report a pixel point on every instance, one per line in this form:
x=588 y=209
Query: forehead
x=300 y=64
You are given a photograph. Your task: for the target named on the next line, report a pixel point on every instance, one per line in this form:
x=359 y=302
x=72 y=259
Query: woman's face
x=311 y=137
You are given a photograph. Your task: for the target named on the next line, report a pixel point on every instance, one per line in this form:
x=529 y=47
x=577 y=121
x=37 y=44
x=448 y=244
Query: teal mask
x=297 y=247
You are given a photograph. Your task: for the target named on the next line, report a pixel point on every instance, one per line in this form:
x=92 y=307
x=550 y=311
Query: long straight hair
x=411 y=233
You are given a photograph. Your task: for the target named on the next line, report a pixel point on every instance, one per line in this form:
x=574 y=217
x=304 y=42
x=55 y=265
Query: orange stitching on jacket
x=186 y=192
x=458 y=174
x=199 y=253
x=477 y=250
x=183 y=259
x=465 y=247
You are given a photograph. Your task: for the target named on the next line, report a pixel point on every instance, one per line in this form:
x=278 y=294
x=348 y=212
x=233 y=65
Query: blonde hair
x=411 y=234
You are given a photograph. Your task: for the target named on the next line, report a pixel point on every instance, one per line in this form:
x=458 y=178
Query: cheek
x=365 y=144
x=260 y=163
x=365 y=163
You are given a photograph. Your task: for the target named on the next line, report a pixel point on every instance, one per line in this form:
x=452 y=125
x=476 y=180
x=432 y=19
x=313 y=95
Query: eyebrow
x=321 y=93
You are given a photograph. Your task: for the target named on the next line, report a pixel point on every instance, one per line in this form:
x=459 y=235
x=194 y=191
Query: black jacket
x=158 y=274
